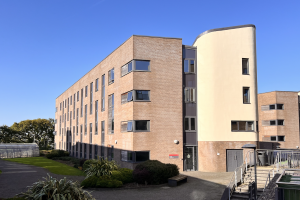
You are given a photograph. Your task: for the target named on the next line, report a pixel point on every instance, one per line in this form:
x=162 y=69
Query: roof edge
x=279 y=91
x=223 y=29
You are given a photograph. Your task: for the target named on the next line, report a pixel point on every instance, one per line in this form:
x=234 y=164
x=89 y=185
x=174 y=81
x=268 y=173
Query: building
x=155 y=98
x=279 y=119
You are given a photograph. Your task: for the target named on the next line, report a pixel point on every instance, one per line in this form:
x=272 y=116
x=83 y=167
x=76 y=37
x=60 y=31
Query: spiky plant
x=101 y=167
x=53 y=189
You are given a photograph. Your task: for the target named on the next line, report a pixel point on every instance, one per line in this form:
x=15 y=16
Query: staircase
x=241 y=191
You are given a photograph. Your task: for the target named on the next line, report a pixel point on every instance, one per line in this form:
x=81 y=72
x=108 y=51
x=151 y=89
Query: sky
x=47 y=45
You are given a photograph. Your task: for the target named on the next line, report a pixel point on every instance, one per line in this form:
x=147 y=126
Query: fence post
x=235 y=178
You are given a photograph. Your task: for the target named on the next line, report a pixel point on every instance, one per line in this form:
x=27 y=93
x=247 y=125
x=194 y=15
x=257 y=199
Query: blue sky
x=47 y=45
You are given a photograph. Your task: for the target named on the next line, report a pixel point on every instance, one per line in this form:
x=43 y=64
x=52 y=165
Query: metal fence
x=18 y=150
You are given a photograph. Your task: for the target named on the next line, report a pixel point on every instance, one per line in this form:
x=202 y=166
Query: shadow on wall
x=268 y=145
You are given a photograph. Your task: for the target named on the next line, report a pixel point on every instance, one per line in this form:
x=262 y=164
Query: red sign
x=172 y=156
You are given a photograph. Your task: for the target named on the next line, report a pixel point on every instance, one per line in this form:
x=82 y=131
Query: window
x=55 y=109
x=135 y=95
x=85 y=119
x=242 y=126
x=97 y=85
x=86 y=91
x=277 y=138
x=81 y=108
x=279 y=106
x=272 y=107
x=71 y=100
x=278 y=122
x=96 y=152
x=80 y=132
x=77 y=121
x=111 y=125
x=74 y=108
x=135 y=65
x=91 y=98
x=142 y=65
x=91 y=132
x=245 y=66
x=102 y=132
x=190 y=124
x=135 y=126
x=60 y=106
x=142 y=95
x=135 y=156
x=246 y=95
x=126 y=68
x=103 y=93
x=55 y=121
x=77 y=95
x=111 y=76
x=96 y=117
x=190 y=95
x=189 y=66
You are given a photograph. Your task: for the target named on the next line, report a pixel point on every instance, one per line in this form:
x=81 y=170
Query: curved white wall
x=220 y=83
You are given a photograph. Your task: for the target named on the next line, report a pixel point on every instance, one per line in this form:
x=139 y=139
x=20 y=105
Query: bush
x=106 y=182
x=57 y=153
x=56 y=189
x=102 y=167
x=87 y=163
x=81 y=162
x=123 y=174
x=154 y=172
x=90 y=182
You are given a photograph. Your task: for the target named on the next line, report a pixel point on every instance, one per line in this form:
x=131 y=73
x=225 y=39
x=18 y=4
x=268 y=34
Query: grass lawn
x=51 y=165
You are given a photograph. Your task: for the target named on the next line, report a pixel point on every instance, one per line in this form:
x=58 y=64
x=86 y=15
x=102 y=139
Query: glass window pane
x=186 y=95
x=272 y=107
x=130 y=67
x=186 y=66
x=250 y=126
x=142 y=95
x=129 y=126
x=245 y=65
x=142 y=65
x=186 y=124
x=242 y=126
x=279 y=106
x=272 y=122
x=112 y=73
x=129 y=96
x=280 y=122
x=193 y=124
x=141 y=125
x=192 y=66
x=234 y=126
x=281 y=138
x=273 y=138
x=141 y=156
x=246 y=95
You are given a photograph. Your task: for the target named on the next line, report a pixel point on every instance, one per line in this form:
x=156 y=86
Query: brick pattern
x=164 y=111
x=290 y=116
x=209 y=161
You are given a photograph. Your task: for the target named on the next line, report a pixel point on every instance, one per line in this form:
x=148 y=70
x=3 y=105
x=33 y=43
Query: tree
x=37 y=130
x=9 y=135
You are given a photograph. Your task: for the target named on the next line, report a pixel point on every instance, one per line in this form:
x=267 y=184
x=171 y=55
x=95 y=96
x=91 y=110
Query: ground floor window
x=135 y=156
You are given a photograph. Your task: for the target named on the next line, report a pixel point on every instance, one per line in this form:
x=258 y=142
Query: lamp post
x=253 y=146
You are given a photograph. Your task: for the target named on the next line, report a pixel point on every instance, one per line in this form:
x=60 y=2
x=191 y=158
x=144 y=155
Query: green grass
x=51 y=165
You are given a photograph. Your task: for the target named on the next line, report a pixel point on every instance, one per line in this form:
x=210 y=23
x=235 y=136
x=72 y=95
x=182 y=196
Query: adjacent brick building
x=279 y=120
x=155 y=98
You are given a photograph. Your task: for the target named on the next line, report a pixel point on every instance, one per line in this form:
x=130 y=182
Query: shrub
x=81 y=162
x=87 y=163
x=123 y=174
x=105 y=181
x=154 y=172
x=101 y=167
x=52 y=189
x=90 y=182
x=142 y=176
x=57 y=153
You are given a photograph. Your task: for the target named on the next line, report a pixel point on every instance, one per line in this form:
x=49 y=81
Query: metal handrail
x=269 y=178
x=233 y=180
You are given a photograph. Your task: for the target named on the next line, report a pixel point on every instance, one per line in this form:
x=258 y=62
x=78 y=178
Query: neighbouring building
x=155 y=98
x=279 y=120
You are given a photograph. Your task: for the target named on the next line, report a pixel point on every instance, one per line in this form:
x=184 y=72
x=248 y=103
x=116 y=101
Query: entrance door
x=189 y=155
x=234 y=159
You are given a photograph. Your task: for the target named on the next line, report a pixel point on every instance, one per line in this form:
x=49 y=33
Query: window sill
x=109 y=83
x=245 y=74
x=189 y=72
x=243 y=131
x=246 y=103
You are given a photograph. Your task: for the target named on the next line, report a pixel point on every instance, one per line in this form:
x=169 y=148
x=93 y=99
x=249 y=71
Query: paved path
x=200 y=186
x=15 y=177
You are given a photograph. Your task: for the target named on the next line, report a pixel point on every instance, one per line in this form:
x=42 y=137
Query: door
x=234 y=159
x=189 y=155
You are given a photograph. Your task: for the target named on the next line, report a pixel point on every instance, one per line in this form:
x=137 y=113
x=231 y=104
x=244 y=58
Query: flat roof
x=278 y=91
